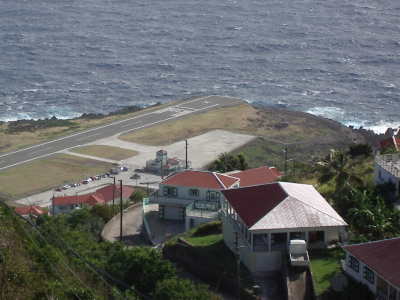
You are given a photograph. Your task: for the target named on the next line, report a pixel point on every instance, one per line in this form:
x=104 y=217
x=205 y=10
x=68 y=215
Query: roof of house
x=282 y=205
x=257 y=176
x=390 y=142
x=29 y=210
x=382 y=256
x=202 y=179
x=100 y=196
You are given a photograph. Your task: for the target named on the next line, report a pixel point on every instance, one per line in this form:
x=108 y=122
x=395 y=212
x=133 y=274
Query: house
x=377 y=265
x=257 y=176
x=64 y=204
x=391 y=143
x=30 y=211
x=192 y=196
x=387 y=170
x=195 y=196
x=260 y=221
x=163 y=164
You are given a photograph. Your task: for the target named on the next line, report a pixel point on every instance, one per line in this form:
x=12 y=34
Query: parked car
x=85 y=181
x=58 y=189
x=124 y=169
x=65 y=187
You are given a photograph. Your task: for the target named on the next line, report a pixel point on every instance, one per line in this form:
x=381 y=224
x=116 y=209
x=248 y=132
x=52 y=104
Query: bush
x=360 y=150
x=208 y=228
x=182 y=289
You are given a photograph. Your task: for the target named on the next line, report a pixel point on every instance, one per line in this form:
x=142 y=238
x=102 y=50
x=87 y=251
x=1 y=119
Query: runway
x=137 y=122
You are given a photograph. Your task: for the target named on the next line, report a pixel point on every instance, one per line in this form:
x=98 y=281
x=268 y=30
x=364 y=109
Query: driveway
x=132 y=223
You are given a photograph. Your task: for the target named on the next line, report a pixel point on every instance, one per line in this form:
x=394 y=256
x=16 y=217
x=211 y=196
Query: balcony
x=203 y=209
x=156 y=197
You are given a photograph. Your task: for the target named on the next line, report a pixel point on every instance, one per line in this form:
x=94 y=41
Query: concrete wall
x=383 y=176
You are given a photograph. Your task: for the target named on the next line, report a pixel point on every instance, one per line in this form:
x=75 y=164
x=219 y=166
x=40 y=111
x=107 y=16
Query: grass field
x=308 y=136
x=232 y=118
x=324 y=264
x=103 y=151
x=43 y=174
x=14 y=141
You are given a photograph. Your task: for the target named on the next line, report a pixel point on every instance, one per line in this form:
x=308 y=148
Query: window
x=369 y=275
x=194 y=193
x=170 y=191
x=213 y=196
x=354 y=264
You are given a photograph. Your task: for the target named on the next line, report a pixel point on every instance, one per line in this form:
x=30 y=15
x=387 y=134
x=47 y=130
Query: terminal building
x=162 y=165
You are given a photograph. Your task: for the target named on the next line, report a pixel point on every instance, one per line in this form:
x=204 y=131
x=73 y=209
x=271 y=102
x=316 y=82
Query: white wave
x=382 y=126
x=329 y=112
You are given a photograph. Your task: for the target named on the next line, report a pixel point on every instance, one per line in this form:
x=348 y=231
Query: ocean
x=337 y=59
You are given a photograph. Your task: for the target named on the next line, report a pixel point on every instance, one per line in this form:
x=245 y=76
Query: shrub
x=208 y=228
x=182 y=289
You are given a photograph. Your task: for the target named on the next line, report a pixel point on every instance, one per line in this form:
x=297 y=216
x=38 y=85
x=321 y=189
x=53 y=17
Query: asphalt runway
x=138 y=122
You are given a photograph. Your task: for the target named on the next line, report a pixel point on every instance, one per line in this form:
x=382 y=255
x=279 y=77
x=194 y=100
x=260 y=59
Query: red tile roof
x=102 y=195
x=390 y=142
x=202 y=179
x=257 y=176
x=381 y=256
x=253 y=203
x=29 y=210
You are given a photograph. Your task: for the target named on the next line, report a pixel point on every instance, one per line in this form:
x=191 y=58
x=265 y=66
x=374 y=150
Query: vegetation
x=205 y=255
x=126 y=272
x=47 y=173
x=228 y=162
x=103 y=151
x=325 y=264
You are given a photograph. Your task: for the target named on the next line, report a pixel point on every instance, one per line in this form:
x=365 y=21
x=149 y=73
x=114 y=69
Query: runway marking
x=140 y=127
x=130 y=124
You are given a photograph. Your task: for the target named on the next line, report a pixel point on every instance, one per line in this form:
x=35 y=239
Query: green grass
x=208 y=240
x=104 y=151
x=46 y=173
x=324 y=265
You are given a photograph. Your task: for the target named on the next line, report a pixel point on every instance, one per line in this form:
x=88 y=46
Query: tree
x=182 y=289
x=338 y=169
x=141 y=267
x=228 y=162
x=371 y=216
x=360 y=150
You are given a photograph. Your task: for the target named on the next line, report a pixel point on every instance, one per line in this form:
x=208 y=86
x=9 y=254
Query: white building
x=195 y=196
x=192 y=196
x=163 y=164
x=387 y=169
x=260 y=220
x=377 y=265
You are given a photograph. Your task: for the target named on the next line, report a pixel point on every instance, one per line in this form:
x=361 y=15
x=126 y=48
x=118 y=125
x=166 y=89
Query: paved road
x=143 y=120
x=132 y=222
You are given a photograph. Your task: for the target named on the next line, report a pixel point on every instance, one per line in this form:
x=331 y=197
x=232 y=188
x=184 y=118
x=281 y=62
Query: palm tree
x=338 y=169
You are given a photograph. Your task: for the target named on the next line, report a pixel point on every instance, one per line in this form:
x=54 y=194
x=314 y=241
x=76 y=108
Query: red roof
x=102 y=195
x=253 y=203
x=29 y=210
x=202 y=179
x=257 y=176
x=390 y=142
x=381 y=256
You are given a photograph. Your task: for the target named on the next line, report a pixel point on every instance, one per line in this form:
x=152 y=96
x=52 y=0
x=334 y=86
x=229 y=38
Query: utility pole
x=113 y=203
x=162 y=171
x=121 y=212
x=237 y=262
x=286 y=155
x=186 y=148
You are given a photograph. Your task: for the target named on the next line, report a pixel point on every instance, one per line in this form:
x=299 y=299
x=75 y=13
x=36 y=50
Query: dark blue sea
x=338 y=59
